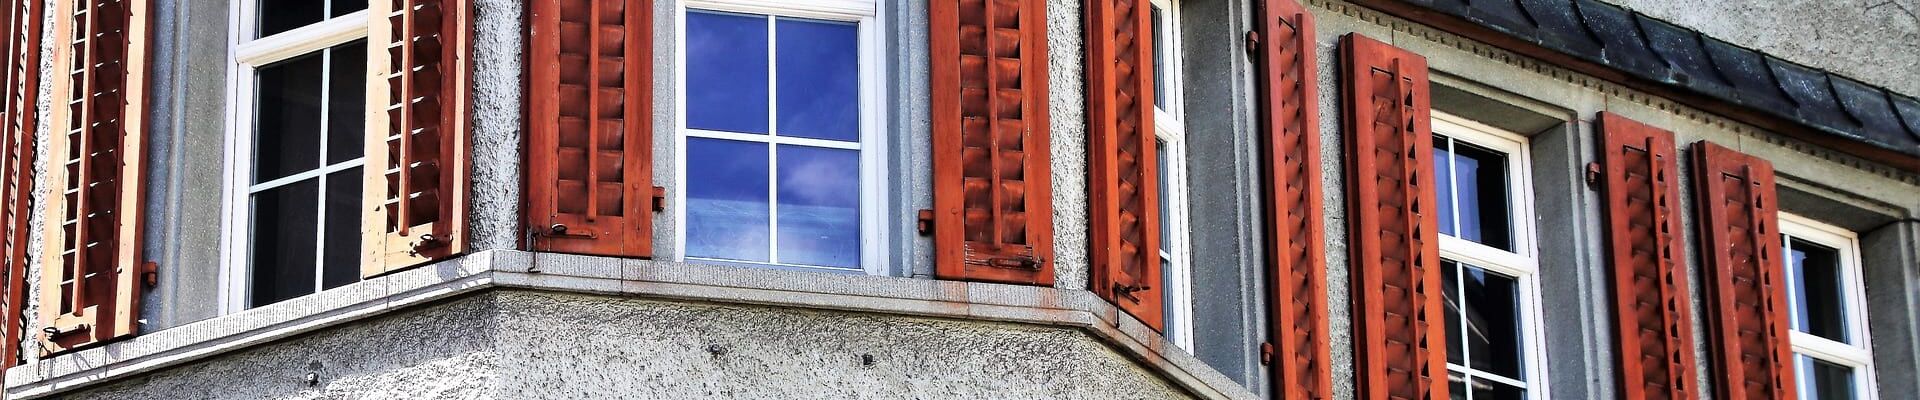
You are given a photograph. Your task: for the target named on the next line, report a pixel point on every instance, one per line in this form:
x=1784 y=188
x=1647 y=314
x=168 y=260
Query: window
x=780 y=148
x=1489 y=270
x=1825 y=305
x=295 y=144
x=1170 y=144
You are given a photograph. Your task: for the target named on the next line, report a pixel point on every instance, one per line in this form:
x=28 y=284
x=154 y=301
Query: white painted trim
x=1170 y=128
x=1858 y=356
x=302 y=40
x=874 y=180
x=1521 y=264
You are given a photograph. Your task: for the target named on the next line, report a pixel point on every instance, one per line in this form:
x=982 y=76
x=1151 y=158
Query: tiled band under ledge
x=483 y=271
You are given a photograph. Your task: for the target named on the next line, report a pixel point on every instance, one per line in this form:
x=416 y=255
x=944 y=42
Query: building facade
x=1289 y=199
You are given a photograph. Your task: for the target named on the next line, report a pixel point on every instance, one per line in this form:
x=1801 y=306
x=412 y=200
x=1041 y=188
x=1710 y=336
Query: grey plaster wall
x=1066 y=61
x=499 y=111
x=187 y=155
x=1877 y=41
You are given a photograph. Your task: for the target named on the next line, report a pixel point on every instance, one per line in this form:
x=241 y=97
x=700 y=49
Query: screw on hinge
x=926 y=222
x=1253 y=43
x=1266 y=353
x=659 y=199
x=1593 y=174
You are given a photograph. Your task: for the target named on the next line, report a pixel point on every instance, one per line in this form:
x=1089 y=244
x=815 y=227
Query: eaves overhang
x=1620 y=45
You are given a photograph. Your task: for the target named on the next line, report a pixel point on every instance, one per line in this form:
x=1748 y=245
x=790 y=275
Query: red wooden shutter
x=992 y=216
x=1296 y=259
x=590 y=143
x=22 y=49
x=1652 y=321
x=91 y=277
x=1124 y=172
x=1746 y=283
x=1399 y=329
x=417 y=167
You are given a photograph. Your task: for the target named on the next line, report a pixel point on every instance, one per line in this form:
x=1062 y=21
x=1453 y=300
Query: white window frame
x=1169 y=127
x=1858 y=356
x=1522 y=264
x=245 y=55
x=874 y=182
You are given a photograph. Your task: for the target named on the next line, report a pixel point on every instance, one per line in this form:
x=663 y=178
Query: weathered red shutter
x=417 y=139
x=1296 y=259
x=1123 y=182
x=92 y=269
x=590 y=138
x=1398 y=321
x=22 y=49
x=992 y=217
x=1653 y=324
x=1746 y=283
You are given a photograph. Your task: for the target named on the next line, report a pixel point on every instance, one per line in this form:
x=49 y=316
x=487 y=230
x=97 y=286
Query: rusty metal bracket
x=1127 y=291
x=1266 y=353
x=1593 y=175
x=659 y=199
x=150 y=273
x=925 y=223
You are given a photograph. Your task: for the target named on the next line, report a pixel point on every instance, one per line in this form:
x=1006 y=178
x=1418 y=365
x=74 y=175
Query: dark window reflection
x=1483 y=311
x=1159 y=58
x=294 y=251
x=346 y=101
x=341 y=262
x=278 y=16
x=1472 y=189
x=283 y=242
x=287 y=117
x=1819 y=298
x=1825 y=380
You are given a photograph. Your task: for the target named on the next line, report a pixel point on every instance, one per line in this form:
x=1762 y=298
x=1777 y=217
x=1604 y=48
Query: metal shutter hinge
x=1253 y=44
x=659 y=199
x=1127 y=291
x=150 y=273
x=1028 y=262
x=1266 y=353
x=1593 y=175
x=925 y=223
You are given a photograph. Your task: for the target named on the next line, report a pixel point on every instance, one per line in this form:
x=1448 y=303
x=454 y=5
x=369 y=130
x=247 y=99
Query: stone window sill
x=487 y=270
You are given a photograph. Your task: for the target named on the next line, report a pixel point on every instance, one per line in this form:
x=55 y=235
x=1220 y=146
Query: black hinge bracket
x=925 y=222
x=1266 y=353
x=659 y=199
x=1593 y=175
x=150 y=273
x=1253 y=44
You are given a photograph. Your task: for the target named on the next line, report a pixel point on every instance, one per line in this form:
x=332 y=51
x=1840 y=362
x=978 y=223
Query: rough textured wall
x=1877 y=41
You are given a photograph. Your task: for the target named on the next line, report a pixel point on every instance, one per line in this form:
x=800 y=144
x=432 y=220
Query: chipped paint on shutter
x=992 y=219
x=1653 y=322
x=1123 y=182
x=1290 y=135
x=91 y=279
x=1398 y=323
x=590 y=143
x=1746 y=282
x=417 y=166
x=21 y=78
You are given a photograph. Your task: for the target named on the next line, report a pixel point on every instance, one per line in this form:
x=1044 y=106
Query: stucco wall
x=1877 y=41
x=538 y=344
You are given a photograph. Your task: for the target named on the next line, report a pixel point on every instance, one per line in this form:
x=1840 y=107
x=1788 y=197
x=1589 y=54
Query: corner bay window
x=1825 y=300
x=1488 y=266
x=777 y=143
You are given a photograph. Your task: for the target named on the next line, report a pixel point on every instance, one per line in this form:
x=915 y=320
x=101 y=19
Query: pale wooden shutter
x=1296 y=237
x=417 y=140
x=590 y=138
x=1653 y=321
x=1123 y=171
x=21 y=19
x=992 y=217
x=1399 y=328
x=1747 y=329
x=92 y=270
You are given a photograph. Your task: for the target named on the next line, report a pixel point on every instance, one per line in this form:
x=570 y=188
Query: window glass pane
x=284 y=15
x=344 y=7
x=1471 y=186
x=1450 y=282
x=1159 y=57
x=726 y=72
x=727 y=204
x=1824 y=380
x=284 y=221
x=1484 y=309
x=819 y=206
x=819 y=79
x=287 y=120
x=1167 y=226
x=1443 y=182
x=1489 y=390
x=1456 y=385
x=346 y=101
x=342 y=259
x=1819 y=300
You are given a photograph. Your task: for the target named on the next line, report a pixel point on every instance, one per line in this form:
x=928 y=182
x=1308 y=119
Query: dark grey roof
x=1654 y=50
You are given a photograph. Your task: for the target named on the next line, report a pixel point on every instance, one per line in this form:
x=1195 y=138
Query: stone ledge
x=488 y=270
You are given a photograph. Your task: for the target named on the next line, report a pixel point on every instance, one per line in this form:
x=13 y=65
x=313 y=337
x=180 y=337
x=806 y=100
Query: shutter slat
x=579 y=202
x=90 y=287
x=990 y=146
x=22 y=21
x=1399 y=326
x=1746 y=286
x=1123 y=182
x=1296 y=236
x=1654 y=339
x=416 y=150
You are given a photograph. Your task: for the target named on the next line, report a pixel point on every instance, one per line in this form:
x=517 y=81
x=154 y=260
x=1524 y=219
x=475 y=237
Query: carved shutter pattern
x=590 y=158
x=1746 y=283
x=1124 y=172
x=992 y=219
x=1652 y=318
x=22 y=49
x=90 y=287
x=1399 y=328
x=1295 y=234
x=417 y=143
